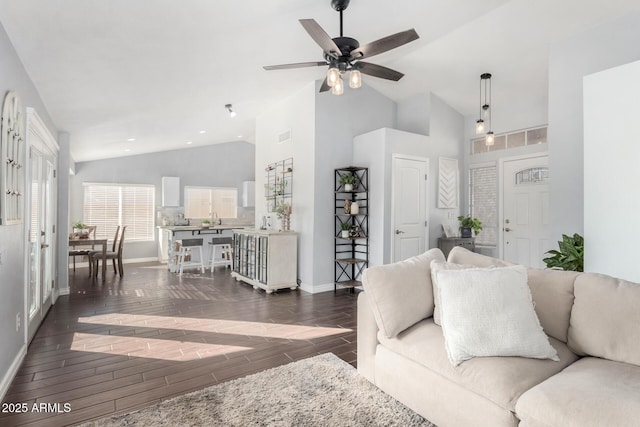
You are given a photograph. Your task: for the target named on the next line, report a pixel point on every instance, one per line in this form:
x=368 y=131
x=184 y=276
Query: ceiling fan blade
x=296 y=65
x=325 y=87
x=384 y=44
x=321 y=37
x=378 y=71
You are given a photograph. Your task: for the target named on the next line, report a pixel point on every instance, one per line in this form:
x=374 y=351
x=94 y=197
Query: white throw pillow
x=401 y=294
x=489 y=312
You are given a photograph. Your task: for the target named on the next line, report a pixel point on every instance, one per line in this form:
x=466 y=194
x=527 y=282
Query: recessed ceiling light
x=239 y=136
x=203 y=131
x=127 y=150
x=189 y=142
x=131 y=139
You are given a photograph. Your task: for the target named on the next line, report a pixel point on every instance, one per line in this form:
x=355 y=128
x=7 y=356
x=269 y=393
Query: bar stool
x=186 y=252
x=220 y=251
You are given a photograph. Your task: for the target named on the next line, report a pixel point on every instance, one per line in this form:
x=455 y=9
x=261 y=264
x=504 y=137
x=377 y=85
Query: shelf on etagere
x=349 y=283
x=351 y=238
x=350 y=260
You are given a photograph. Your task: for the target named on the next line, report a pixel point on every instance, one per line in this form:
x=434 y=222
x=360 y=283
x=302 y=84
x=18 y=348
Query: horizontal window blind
x=483 y=183
x=108 y=205
x=203 y=202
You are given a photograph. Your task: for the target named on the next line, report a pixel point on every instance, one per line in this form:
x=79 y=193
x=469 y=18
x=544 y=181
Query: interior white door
x=41 y=233
x=409 y=206
x=525 y=231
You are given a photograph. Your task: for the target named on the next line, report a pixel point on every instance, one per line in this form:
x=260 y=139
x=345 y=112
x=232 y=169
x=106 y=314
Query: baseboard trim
x=317 y=288
x=11 y=373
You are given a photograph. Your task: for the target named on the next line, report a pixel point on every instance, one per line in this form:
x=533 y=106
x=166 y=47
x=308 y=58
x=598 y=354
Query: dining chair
x=73 y=253
x=115 y=255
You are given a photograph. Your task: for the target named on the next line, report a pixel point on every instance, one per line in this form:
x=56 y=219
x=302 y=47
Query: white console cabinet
x=265 y=259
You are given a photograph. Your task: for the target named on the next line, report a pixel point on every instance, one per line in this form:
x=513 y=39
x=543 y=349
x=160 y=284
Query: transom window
x=511 y=140
x=108 y=205
x=210 y=202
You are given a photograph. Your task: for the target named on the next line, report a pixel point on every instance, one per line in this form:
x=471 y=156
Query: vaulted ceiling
x=161 y=71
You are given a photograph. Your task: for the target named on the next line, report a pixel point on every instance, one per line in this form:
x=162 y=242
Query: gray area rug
x=320 y=391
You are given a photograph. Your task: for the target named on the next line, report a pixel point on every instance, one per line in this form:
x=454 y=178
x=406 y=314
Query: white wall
x=604 y=47
x=611 y=172
x=13 y=77
x=296 y=113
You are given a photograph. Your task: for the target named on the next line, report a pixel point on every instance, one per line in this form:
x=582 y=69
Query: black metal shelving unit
x=351 y=253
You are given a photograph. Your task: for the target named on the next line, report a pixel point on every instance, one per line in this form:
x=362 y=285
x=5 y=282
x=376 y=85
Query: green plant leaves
x=570 y=257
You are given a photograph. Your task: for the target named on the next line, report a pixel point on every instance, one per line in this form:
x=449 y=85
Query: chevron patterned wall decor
x=447 y=183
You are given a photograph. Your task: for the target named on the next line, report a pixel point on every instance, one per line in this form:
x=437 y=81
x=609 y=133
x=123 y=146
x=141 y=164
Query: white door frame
x=34 y=124
x=501 y=163
x=394 y=157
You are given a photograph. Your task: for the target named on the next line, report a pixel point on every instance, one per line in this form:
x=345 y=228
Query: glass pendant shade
x=490 y=139
x=355 y=79
x=479 y=127
x=333 y=75
x=338 y=88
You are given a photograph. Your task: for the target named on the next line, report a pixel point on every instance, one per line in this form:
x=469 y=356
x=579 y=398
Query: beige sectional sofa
x=592 y=320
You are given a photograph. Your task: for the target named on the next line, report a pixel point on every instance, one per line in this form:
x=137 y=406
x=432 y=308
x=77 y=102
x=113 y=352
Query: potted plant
x=467 y=224
x=206 y=223
x=570 y=257
x=347 y=180
x=283 y=211
x=345 y=228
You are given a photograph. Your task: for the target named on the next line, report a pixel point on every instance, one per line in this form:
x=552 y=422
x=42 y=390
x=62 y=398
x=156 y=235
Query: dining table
x=73 y=242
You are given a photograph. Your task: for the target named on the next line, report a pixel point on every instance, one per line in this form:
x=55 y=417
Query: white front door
x=525 y=216
x=409 y=206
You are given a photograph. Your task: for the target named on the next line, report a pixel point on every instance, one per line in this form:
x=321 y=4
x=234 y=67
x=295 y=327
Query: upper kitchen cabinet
x=170 y=191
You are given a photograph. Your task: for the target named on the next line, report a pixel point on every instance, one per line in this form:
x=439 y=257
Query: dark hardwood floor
x=117 y=346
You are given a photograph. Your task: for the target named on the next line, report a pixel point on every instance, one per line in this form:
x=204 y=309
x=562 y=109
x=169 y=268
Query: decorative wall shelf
x=279 y=183
x=12 y=158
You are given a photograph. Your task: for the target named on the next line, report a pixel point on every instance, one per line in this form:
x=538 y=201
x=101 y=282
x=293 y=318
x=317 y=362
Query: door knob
x=507 y=229
x=399 y=232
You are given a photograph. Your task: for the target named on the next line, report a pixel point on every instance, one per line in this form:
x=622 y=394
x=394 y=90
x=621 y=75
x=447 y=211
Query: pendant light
x=485 y=109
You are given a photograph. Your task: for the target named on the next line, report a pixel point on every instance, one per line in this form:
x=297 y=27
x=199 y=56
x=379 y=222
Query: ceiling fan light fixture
x=355 y=79
x=333 y=75
x=338 y=88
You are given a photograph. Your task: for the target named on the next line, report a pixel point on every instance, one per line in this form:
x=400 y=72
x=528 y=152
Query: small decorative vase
x=355 y=208
x=347 y=206
x=285 y=223
x=348 y=187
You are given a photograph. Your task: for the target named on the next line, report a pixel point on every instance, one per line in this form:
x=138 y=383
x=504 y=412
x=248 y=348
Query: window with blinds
x=483 y=201
x=207 y=202
x=108 y=205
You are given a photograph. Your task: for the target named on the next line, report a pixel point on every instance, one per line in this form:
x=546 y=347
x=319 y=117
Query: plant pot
x=345 y=234
x=348 y=187
x=465 y=231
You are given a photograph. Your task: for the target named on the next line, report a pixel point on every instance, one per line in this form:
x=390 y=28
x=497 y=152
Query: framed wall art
x=12 y=158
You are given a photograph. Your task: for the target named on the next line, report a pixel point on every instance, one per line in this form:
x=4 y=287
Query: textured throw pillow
x=435 y=266
x=489 y=312
x=401 y=294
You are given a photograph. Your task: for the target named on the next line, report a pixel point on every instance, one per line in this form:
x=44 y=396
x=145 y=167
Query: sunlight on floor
x=163 y=349
x=222 y=326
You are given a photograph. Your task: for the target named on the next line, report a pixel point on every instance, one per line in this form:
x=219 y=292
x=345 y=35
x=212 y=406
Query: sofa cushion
x=552 y=292
x=465 y=259
x=489 y=312
x=401 y=294
x=591 y=392
x=500 y=379
x=605 y=319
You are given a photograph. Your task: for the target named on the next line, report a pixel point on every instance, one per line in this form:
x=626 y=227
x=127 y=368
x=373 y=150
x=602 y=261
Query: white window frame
x=213 y=210
x=138 y=230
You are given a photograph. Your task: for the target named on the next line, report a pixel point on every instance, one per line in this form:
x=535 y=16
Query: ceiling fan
x=344 y=54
